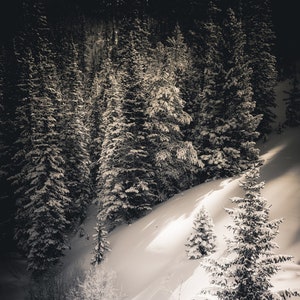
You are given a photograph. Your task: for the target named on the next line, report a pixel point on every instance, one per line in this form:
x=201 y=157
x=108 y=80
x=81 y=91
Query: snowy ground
x=149 y=256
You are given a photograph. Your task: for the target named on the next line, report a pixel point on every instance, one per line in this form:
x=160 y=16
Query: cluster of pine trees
x=127 y=112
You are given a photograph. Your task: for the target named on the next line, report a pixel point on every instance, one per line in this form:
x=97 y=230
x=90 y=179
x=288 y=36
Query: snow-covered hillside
x=149 y=256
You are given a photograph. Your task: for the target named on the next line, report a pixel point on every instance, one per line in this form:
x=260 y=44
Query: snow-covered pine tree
x=240 y=124
x=257 y=21
x=41 y=192
x=46 y=190
x=173 y=157
x=27 y=87
x=246 y=272
x=139 y=184
x=111 y=177
x=209 y=123
x=202 y=240
x=75 y=137
x=292 y=102
x=185 y=78
x=101 y=243
x=96 y=84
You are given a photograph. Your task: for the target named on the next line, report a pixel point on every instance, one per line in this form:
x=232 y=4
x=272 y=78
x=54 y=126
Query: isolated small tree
x=245 y=274
x=102 y=245
x=202 y=240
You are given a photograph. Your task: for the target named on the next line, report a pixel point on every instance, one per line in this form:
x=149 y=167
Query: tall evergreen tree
x=209 y=123
x=42 y=197
x=257 y=19
x=240 y=133
x=133 y=63
x=173 y=157
x=75 y=137
x=111 y=177
x=246 y=272
x=46 y=190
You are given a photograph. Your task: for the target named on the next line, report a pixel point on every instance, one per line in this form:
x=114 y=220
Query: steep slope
x=149 y=256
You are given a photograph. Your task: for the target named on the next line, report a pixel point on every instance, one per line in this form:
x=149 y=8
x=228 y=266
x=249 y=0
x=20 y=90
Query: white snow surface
x=149 y=255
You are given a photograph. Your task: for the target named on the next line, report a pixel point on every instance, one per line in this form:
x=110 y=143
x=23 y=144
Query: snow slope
x=149 y=256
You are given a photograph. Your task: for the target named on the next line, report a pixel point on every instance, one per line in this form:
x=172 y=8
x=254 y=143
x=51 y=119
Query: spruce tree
x=111 y=177
x=173 y=157
x=139 y=184
x=101 y=243
x=75 y=137
x=209 y=123
x=42 y=197
x=257 y=20
x=202 y=240
x=240 y=123
x=247 y=270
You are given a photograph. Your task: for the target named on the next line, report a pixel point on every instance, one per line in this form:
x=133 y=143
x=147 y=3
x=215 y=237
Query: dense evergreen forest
x=124 y=104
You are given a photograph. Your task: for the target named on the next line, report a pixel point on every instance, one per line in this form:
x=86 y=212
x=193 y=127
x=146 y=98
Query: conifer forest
x=123 y=104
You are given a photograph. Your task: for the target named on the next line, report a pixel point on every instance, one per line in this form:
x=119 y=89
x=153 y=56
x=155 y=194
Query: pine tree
x=139 y=184
x=239 y=133
x=101 y=243
x=112 y=172
x=75 y=138
x=257 y=19
x=42 y=197
x=45 y=189
x=292 y=101
x=27 y=90
x=209 y=123
x=173 y=157
x=247 y=270
x=202 y=240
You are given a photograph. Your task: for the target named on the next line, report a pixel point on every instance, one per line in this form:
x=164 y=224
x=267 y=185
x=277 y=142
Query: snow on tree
x=257 y=21
x=239 y=132
x=292 y=102
x=75 y=137
x=122 y=189
x=99 y=284
x=48 y=196
x=111 y=177
x=202 y=240
x=138 y=180
x=23 y=120
x=42 y=197
x=246 y=271
x=173 y=157
x=209 y=123
x=101 y=243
